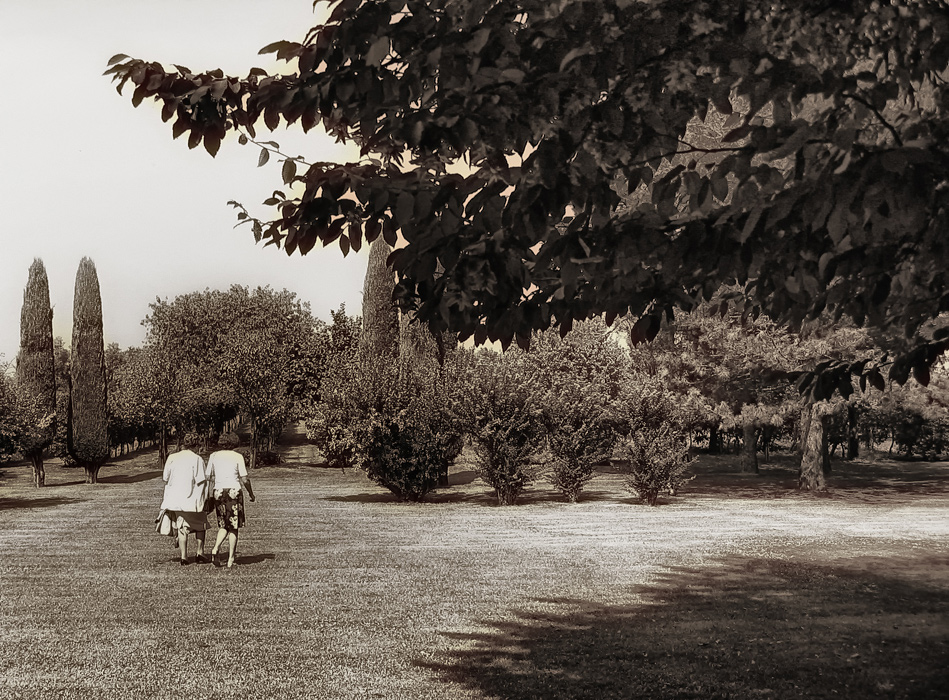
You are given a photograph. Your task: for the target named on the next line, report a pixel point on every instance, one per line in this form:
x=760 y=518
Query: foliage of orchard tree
x=181 y=380
x=214 y=352
x=913 y=418
x=22 y=418
x=36 y=371
x=266 y=339
x=328 y=417
x=8 y=412
x=88 y=439
x=561 y=107
x=136 y=411
x=738 y=362
x=503 y=417
x=10 y=424
x=579 y=379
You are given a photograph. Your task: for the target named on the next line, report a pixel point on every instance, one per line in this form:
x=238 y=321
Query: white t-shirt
x=225 y=469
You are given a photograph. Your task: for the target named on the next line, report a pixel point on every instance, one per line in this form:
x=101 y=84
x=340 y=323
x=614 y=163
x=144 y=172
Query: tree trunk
x=824 y=446
x=39 y=470
x=714 y=441
x=811 y=476
x=253 y=443
x=92 y=473
x=766 y=443
x=749 y=449
x=443 y=476
x=853 y=439
x=162 y=446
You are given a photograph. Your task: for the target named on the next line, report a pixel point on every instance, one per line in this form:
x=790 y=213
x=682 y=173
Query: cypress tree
x=88 y=420
x=379 y=340
x=35 y=369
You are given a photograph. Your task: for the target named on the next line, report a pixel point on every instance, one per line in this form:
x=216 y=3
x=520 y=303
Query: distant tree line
x=381 y=394
x=210 y=360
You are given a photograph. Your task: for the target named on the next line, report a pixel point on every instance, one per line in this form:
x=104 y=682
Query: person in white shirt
x=228 y=473
x=185 y=490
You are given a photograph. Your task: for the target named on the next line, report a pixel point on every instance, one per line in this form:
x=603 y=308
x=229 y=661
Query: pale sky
x=83 y=173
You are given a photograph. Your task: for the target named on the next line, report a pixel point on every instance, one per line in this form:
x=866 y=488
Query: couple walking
x=193 y=490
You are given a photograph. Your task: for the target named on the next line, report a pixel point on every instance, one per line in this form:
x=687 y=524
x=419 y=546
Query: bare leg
x=199 y=543
x=232 y=547
x=183 y=544
x=221 y=534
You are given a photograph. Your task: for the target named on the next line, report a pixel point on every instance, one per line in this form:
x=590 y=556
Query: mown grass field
x=738 y=587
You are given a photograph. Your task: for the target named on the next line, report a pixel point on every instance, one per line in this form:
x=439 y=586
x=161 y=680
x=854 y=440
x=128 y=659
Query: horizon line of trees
x=210 y=360
x=383 y=395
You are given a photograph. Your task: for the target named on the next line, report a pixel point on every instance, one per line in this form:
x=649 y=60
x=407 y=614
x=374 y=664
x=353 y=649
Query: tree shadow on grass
x=462 y=478
x=863 y=480
x=738 y=628
x=48 y=502
x=374 y=497
x=130 y=478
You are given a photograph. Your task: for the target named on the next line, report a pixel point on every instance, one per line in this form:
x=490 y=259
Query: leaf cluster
x=794 y=148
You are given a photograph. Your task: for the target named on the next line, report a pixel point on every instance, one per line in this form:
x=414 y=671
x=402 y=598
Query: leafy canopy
x=826 y=190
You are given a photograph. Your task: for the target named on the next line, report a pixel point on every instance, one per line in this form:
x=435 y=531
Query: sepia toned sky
x=83 y=173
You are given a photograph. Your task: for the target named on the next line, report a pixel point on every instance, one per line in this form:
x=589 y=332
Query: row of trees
x=32 y=412
x=208 y=358
x=387 y=397
x=213 y=355
x=392 y=409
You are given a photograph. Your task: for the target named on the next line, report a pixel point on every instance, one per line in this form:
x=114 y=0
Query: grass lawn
x=738 y=587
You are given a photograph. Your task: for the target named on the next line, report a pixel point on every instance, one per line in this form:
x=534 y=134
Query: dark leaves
x=645 y=329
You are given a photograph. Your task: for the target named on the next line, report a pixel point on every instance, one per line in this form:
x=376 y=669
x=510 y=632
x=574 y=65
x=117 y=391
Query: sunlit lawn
x=738 y=587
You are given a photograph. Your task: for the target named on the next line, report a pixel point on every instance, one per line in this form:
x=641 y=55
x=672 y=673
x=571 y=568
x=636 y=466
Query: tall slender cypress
x=379 y=340
x=36 y=369
x=88 y=420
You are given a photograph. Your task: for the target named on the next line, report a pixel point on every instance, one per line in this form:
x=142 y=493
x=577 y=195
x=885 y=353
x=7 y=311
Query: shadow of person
x=252 y=558
x=741 y=627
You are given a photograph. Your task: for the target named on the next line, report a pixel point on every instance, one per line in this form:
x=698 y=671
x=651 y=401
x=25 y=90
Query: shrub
x=912 y=416
x=265 y=458
x=394 y=422
x=405 y=433
x=579 y=377
x=654 y=455
x=502 y=416
x=576 y=447
x=654 y=462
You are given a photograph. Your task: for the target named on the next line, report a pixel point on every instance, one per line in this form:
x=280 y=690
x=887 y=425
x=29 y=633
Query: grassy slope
x=739 y=587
